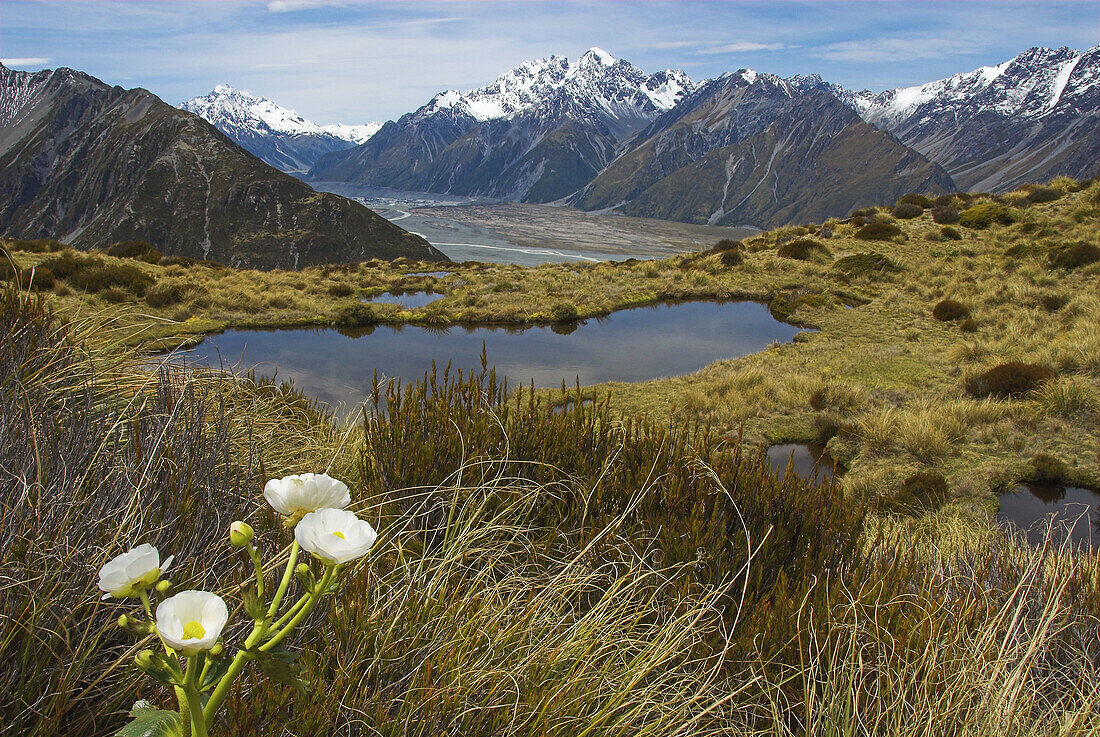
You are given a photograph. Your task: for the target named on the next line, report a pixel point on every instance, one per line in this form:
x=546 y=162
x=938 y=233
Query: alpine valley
x=747 y=148
x=91 y=164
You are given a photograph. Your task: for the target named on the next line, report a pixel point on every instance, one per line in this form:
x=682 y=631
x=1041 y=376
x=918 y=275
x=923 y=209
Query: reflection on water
x=630 y=345
x=408 y=300
x=1073 y=511
x=809 y=460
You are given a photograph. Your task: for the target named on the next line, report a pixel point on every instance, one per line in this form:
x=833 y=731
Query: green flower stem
x=258 y=565
x=315 y=596
x=259 y=629
x=288 y=574
x=194 y=701
x=145 y=603
x=185 y=711
x=289 y=612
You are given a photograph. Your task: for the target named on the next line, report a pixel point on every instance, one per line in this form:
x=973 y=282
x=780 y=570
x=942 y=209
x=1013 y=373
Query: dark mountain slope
x=754 y=149
x=93 y=164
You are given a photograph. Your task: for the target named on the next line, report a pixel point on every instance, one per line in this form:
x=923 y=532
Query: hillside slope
x=94 y=164
x=756 y=149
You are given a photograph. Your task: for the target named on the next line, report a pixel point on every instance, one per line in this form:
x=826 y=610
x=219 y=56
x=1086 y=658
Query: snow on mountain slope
x=597 y=78
x=998 y=126
x=278 y=135
x=536 y=133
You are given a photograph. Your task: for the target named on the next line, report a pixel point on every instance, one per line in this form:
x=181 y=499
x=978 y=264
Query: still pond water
x=808 y=460
x=1075 y=513
x=630 y=345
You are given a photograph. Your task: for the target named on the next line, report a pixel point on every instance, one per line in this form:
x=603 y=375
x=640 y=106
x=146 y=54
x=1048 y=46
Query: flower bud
x=123 y=621
x=144 y=659
x=240 y=534
x=217 y=650
x=302 y=569
x=164 y=586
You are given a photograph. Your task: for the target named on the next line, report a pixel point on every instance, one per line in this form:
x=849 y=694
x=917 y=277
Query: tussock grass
x=542 y=570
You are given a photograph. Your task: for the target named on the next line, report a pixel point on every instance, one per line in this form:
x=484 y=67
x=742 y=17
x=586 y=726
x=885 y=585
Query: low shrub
x=949 y=310
x=868 y=262
x=564 y=311
x=802 y=249
x=1023 y=250
x=136 y=250
x=115 y=295
x=868 y=212
x=969 y=325
x=340 y=289
x=920 y=200
x=40 y=278
x=1038 y=195
x=907 y=211
x=983 y=215
x=1048 y=469
x=945 y=215
x=944 y=200
x=166 y=293
x=1053 y=301
x=1074 y=256
x=731 y=258
x=99 y=278
x=38 y=245
x=727 y=244
x=356 y=315
x=1010 y=380
x=924 y=491
x=878 y=232
x=951 y=234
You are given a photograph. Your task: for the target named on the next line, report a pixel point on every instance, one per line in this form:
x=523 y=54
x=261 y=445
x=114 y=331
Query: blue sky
x=346 y=61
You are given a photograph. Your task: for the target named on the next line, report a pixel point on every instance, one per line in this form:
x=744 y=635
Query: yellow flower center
x=339 y=535
x=193 y=631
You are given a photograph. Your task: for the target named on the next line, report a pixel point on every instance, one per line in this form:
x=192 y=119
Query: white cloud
x=894 y=49
x=742 y=47
x=25 y=61
x=288 y=6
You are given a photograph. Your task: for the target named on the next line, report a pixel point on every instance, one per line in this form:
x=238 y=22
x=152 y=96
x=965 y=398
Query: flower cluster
x=190 y=623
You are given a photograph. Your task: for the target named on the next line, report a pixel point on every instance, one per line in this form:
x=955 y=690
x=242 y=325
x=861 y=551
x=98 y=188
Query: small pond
x=408 y=300
x=436 y=274
x=630 y=345
x=1074 y=512
x=809 y=460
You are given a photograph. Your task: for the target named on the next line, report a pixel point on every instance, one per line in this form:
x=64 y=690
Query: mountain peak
x=598 y=56
x=253 y=121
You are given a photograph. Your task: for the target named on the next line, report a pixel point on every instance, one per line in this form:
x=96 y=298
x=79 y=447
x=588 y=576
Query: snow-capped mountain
x=279 y=136
x=753 y=148
x=1032 y=117
x=536 y=133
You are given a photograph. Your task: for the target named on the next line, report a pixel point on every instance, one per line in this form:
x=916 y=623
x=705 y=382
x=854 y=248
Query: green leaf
x=254 y=606
x=278 y=665
x=150 y=722
x=159 y=670
x=215 y=671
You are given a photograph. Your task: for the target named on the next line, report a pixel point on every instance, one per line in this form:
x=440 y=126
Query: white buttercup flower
x=132 y=572
x=334 y=535
x=192 y=621
x=299 y=494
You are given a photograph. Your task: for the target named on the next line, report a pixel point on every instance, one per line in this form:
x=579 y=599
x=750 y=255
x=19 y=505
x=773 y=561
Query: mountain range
x=747 y=148
x=92 y=164
x=536 y=134
x=279 y=136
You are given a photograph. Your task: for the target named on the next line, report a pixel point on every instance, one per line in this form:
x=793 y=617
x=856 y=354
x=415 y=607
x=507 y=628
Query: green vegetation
x=948 y=310
x=983 y=215
x=542 y=568
x=922 y=407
